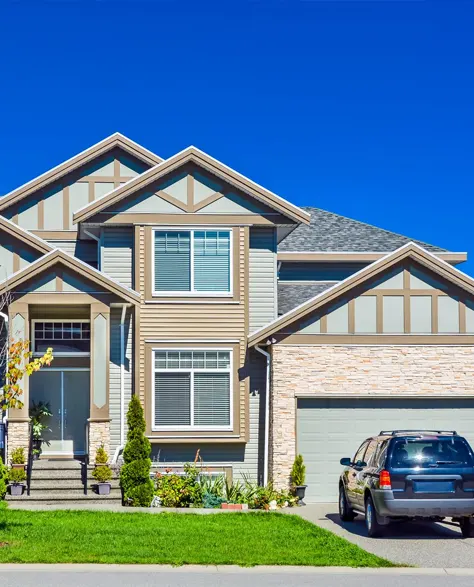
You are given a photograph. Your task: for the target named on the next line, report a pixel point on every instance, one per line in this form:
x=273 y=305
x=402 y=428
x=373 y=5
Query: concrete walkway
x=412 y=543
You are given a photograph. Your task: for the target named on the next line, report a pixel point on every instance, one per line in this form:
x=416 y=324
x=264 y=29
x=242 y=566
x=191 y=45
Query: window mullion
x=192 y=259
x=192 y=398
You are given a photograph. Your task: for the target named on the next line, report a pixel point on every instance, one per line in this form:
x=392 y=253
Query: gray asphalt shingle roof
x=291 y=295
x=333 y=232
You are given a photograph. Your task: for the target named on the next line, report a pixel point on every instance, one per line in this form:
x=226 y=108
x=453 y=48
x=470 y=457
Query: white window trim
x=229 y=370
x=56 y=320
x=193 y=292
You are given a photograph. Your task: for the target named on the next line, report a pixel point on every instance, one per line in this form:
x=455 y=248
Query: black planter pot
x=300 y=490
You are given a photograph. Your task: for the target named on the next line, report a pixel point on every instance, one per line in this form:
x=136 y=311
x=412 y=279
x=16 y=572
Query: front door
x=66 y=391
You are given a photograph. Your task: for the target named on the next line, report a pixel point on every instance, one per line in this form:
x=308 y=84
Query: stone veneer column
x=18 y=418
x=99 y=420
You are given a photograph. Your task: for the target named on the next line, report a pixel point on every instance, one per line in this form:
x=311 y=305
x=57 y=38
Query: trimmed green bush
x=18 y=456
x=17 y=475
x=102 y=474
x=101 y=457
x=3 y=479
x=298 y=471
x=137 y=487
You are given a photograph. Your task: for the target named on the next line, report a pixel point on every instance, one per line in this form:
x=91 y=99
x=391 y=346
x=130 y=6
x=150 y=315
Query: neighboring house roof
x=104 y=146
x=78 y=267
x=332 y=232
x=25 y=235
x=293 y=294
x=411 y=250
x=194 y=155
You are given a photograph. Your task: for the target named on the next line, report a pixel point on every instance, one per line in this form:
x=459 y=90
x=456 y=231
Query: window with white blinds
x=194 y=262
x=193 y=390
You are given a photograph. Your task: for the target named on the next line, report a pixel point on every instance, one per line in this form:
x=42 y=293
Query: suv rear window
x=422 y=452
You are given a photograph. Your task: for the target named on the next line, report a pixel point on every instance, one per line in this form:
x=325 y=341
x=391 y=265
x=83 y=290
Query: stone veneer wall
x=356 y=370
x=99 y=433
x=18 y=436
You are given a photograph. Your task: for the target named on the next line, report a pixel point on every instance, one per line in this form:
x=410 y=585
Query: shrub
x=3 y=479
x=16 y=475
x=18 y=456
x=179 y=490
x=137 y=487
x=101 y=457
x=102 y=474
x=212 y=501
x=298 y=471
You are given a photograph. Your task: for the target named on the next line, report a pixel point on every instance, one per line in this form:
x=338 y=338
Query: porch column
x=18 y=419
x=99 y=421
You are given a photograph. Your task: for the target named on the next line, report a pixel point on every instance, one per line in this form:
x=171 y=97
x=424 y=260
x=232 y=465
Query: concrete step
x=52 y=484
x=65 y=495
x=89 y=498
x=57 y=465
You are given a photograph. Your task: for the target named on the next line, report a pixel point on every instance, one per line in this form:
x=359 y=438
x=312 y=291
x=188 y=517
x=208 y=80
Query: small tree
x=135 y=479
x=3 y=479
x=298 y=471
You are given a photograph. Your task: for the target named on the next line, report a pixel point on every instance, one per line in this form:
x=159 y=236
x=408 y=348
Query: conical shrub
x=137 y=487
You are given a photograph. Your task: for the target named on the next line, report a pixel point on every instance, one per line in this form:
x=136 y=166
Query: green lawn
x=105 y=537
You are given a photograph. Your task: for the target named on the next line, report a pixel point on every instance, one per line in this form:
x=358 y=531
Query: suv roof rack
x=417 y=431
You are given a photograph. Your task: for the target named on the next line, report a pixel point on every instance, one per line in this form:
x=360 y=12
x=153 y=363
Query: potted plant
x=298 y=477
x=16 y=478
x=18 y=458
x=102 y=472
x=39 y=412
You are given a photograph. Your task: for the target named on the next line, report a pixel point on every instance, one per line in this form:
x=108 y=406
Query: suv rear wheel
x=346 y=513
x=467 y=527
x=374 y=529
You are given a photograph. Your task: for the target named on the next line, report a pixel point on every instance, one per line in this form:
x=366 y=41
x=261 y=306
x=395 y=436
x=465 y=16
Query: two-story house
x=251 y=329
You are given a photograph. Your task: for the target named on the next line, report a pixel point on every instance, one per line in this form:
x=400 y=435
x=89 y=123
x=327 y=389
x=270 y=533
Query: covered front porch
x=88 y=323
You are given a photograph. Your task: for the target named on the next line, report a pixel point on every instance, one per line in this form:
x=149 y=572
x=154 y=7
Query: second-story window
x=192 y=262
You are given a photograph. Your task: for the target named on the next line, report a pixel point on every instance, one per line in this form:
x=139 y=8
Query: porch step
x=66 y=484
x=62 y=497
x=56 y=465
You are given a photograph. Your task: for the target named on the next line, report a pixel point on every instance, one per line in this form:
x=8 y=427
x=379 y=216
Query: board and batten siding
x=262 y=277
x=114 y=385
x=116 y=259
x=83 y=250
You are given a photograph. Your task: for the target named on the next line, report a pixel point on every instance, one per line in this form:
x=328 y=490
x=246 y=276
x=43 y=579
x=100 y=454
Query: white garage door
x=329 y=429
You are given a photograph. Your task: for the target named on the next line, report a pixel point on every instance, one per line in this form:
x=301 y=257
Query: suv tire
x=467 y=527
x=346 y=513
x=374 y=529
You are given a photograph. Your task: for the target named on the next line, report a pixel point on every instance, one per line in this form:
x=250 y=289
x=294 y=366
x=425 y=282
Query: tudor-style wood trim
x=411 y=252
x=41 y=215
x=462 y=317
x=116 y=140
x=356 y=257
x=65 y=208
x=153 y=219
x=192 y=155
x=25 y=236
x=190 y=192
x=374 y=339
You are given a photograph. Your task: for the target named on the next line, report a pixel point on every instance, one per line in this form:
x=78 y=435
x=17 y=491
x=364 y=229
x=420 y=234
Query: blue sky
x=361 y=108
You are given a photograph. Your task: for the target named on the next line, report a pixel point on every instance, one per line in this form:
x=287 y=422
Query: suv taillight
x=384 y=481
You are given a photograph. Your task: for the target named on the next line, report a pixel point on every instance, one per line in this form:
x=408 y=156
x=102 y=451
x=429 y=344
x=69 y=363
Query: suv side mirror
x=360 y=464
x=346 y=462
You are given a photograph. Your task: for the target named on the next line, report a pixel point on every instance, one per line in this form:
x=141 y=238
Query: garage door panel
x=329 y=429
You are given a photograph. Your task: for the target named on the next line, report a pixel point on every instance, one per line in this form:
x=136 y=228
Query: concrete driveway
x=422 y=545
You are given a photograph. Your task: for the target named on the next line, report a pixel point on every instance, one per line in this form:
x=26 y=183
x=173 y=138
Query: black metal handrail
x=29 y=466
x=84 y=464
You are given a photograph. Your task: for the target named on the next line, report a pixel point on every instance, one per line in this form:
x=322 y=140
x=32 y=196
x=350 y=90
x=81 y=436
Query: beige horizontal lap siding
x=84 y=250
x=117 y=253
x=114 y=386
x=195 y=321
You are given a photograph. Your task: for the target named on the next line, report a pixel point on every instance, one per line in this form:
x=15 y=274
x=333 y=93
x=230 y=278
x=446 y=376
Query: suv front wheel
x=467 y=527
x=346 y=513
x=374 y=529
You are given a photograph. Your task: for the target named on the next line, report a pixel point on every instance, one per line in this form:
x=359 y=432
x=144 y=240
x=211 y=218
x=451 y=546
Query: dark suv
x=408 y=474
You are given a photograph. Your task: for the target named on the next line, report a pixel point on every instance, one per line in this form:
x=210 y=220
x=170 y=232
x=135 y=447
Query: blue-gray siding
x=290 y=271
x=117 y=253
x=262 y=277
x=85 y=250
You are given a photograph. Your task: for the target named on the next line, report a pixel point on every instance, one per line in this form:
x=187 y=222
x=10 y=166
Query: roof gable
x=97 y=151
x=343 y=290
x=203 y=191
x=41 y=272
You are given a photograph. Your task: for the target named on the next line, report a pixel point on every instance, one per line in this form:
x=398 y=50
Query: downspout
x=267 y=412
x=5 y=417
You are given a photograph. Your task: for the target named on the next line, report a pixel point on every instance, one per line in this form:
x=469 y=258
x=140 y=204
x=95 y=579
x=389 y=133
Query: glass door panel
x=76 y=385
x=45 y=387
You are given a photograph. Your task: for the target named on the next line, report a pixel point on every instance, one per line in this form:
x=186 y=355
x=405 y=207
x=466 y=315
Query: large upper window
x=65 y=338
x=192 y=262
x=192 y=389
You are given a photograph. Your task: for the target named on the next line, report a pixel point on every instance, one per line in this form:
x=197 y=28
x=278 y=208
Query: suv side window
x=370 y=453
x=381 y=453
x=359 y=456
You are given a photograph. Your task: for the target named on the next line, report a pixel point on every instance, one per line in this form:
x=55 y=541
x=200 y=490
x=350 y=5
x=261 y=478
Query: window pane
x=211 y=360
x=172 y=399
x=212 y=399
x=160 y=360
x=211 y=261
x=223 y=361
x=172 y=261
x=198 y=360
x=185 y=359
x=63 y=337
x=173 y=360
